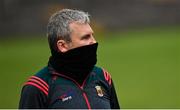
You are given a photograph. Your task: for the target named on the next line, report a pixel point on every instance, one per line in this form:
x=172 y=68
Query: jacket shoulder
x=102 y=74
x=43 y=74
x=40 y=80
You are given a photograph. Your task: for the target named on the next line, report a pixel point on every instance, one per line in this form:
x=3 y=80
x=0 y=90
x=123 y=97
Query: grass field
x=144 y=64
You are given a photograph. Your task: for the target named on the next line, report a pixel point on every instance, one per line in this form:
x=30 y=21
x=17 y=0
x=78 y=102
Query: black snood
x=76 y=63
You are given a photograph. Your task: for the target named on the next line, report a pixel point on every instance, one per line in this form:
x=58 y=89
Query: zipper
x=80 y=87
x=84 y=94
x=87 y=101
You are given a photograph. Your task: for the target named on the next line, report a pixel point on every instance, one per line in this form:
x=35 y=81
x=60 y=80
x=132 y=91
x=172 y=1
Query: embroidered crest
x=99 y=91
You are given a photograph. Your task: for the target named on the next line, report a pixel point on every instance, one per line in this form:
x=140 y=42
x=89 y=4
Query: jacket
x=49 y=89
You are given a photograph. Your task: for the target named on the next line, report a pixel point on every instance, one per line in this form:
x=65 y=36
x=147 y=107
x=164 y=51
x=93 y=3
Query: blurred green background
x=144 y=64
x=139 y=44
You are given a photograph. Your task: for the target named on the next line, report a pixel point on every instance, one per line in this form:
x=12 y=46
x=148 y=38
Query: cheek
x=81 y=43
x=84 y=42
x=77 y=44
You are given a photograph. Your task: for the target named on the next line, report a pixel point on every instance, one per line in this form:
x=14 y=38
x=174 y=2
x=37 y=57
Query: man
x=71 y=80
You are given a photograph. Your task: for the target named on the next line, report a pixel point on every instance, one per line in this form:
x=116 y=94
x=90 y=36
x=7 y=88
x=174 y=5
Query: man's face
x=81 y=35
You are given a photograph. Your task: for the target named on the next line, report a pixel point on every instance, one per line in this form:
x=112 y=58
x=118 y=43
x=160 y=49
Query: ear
x=62 y=46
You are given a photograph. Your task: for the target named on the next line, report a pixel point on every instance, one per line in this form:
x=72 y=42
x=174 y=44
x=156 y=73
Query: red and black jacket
x=49 y=89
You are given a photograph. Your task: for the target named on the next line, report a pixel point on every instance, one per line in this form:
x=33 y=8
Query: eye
x=85 y=37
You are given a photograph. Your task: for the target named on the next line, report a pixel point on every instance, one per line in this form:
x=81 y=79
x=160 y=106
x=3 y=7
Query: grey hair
x=58 y=25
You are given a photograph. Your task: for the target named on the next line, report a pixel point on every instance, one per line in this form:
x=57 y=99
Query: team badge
x=99 y=91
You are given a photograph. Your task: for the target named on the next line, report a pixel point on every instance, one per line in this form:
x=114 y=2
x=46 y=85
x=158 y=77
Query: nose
x=93 y=40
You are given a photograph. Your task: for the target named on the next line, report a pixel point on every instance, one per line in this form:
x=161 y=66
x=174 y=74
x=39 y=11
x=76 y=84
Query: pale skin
x=81 y=35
